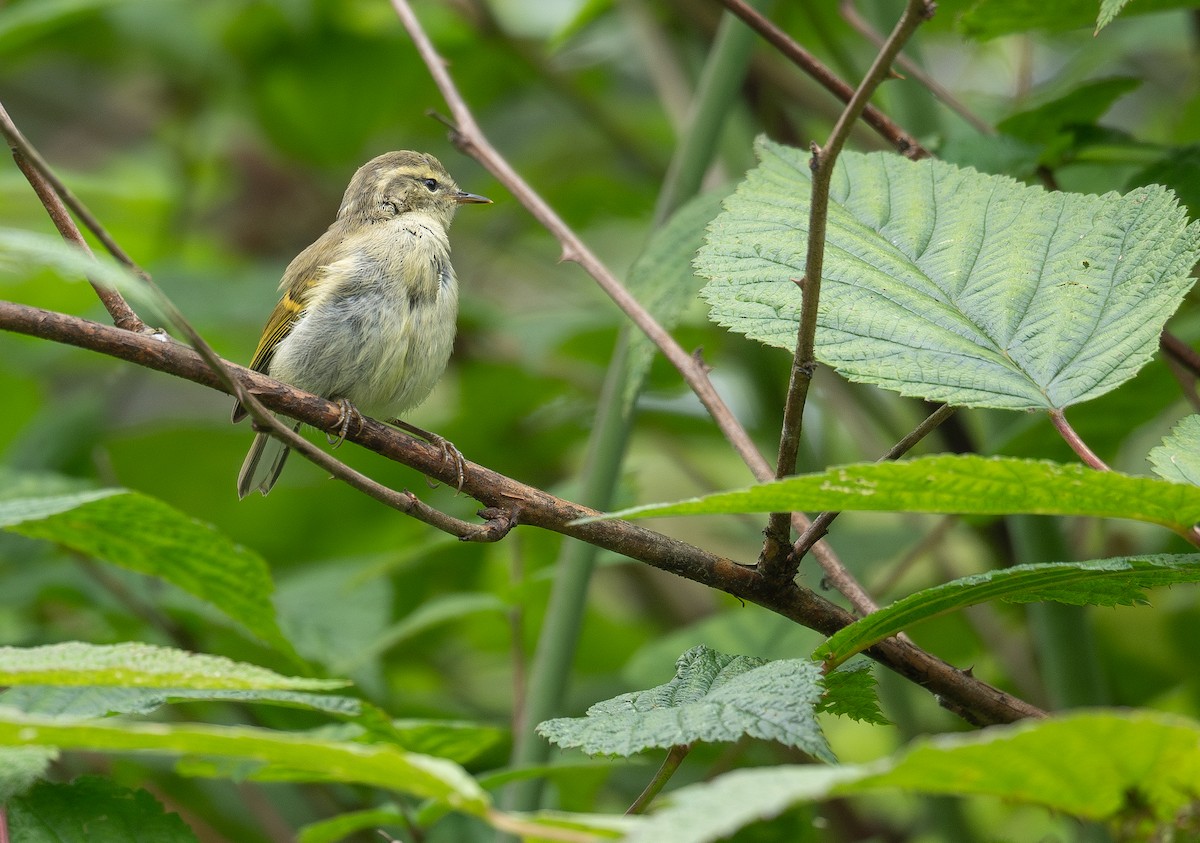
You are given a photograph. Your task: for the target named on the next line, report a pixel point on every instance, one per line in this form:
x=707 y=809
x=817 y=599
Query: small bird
x=368 y=312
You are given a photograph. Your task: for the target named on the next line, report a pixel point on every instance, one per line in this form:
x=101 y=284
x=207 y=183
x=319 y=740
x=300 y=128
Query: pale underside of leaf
x=952 y=285
x=713 y=697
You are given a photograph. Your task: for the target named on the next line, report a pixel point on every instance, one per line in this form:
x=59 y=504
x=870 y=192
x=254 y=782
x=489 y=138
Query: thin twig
x=851 y=16
x=980 y=702
x=468 y=136
x=1181 y=352
x=820 y=524
x=675 y=756
x=49 y=190
x=776 y=563
x=905 y=143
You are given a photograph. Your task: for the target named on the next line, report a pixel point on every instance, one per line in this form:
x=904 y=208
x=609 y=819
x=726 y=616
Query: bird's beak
x=471 y=199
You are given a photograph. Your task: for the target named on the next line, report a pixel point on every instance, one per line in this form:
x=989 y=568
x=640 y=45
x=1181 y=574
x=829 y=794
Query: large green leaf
x=713 y=697
x=951 y=285
x=142 y=534
x=377 y=765
x=962 y=484
x=1136 y=768
x=1103 y=582
x=141 y=665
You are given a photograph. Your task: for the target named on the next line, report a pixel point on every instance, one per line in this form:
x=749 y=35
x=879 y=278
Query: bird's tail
x=263 y=463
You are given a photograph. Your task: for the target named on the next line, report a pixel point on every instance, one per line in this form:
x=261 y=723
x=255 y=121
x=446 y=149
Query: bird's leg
x=450 y=454
x=350 y=414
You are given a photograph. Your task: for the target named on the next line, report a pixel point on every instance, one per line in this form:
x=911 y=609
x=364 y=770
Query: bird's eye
x=430 y=184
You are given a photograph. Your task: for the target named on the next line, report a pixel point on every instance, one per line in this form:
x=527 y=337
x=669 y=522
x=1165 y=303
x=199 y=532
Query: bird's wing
x=298 y=284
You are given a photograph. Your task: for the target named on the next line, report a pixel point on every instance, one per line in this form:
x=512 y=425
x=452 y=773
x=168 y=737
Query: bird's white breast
x=380 y=328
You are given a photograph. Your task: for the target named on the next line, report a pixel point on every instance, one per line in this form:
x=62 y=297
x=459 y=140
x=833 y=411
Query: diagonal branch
x=905 y=143
x=470 y=139
x=52 y=191
x=975 y=700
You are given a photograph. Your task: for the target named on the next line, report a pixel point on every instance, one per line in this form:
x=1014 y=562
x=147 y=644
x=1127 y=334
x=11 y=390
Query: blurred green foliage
x=214 y=139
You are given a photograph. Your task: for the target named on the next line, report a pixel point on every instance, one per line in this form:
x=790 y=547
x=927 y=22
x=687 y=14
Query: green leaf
x=1138 y=768
x=1178 y=457
x=93 y=809
x=141 y=534
x=140 y=665
x=21 y=767
x=850 y=692
x=964 y=484
x=333 y=615
x=344 y=825
x=1109 y=9
x=1178 y=169
x=662 y=278
x=713 y=697
x=431 y=613
x=1103 y=582
x=923 y=292
x=99 y=701
x=22 y=250
x=1083 y=105
x=457 y=741
x=376 y=765
x=991 y=18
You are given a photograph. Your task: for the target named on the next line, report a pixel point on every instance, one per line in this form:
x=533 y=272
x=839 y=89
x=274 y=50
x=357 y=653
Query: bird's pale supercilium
x=368 y=311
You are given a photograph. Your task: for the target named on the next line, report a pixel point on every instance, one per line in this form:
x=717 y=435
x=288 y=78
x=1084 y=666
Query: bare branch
x=905 y=143
x=851 y=16
x=472 y=141
x=979 y=702
x=49 y=190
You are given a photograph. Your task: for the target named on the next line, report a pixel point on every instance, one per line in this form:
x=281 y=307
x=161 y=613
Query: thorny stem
x=851 y=16
x=774 y=562
x=471 y=139
x=675 y=756
x=905 y=143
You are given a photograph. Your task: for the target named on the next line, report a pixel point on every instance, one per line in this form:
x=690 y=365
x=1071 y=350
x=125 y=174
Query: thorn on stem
x=814 y=163
x=698 y=359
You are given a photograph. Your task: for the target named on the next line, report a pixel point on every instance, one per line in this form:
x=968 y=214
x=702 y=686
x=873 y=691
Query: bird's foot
x=450 y=454
x=349 y=415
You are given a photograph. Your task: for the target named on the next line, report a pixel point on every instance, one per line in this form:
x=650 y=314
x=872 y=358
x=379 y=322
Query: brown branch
x=468 y=137
x=1180 y=352
x=776 y=560
x=49 y=190
x=858 y=22
x=905 y=144
x=979 y=702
